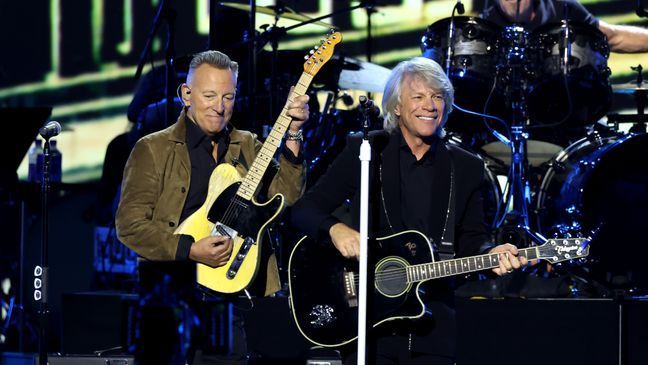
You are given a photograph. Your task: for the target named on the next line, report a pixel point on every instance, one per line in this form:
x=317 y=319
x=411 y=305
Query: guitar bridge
x=350 y=293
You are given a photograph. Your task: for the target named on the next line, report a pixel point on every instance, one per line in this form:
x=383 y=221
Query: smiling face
x=211 y=96
x=420 y=109
x=509 y=7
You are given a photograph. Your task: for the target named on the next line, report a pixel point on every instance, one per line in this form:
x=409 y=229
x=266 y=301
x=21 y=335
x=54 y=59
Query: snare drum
x=580 y=93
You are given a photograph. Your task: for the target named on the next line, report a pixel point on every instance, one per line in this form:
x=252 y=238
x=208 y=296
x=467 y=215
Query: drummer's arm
x=625 y=38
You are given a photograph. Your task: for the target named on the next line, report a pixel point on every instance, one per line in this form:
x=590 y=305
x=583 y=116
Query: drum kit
x=576 y=176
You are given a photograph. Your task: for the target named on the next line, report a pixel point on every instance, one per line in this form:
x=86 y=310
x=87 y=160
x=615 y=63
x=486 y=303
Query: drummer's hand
x=508 y=259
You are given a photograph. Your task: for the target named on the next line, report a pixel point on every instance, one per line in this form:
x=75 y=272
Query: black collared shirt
x=416 y=179
x=200 y=147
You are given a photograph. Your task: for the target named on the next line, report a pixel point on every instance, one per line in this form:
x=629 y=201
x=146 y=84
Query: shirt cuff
x=288 y=154
x=326 y=225
x=485 y=247
x=184 y=247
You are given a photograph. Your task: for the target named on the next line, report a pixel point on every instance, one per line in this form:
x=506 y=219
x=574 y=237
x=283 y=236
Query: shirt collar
x=195 y=135
x=428 y=156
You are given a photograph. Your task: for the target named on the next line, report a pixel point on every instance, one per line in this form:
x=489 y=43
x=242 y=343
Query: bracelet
x=295 y=136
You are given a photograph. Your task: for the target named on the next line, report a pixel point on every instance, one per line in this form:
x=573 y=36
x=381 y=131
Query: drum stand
x=516 y=229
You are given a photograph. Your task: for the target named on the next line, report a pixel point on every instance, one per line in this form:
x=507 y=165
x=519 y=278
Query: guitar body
x=247 y=218
x=323 y=300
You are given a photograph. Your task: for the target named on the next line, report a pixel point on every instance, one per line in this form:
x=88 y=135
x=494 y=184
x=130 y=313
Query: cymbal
x=288 y=13
x=630 y=87
x=363 y=75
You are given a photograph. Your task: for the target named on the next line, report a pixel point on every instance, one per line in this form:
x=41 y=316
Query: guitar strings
x=446 y=266
x=233 y=209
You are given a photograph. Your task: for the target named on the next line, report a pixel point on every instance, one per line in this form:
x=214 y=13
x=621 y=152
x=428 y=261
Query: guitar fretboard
x=421 y=272
x=253 y=178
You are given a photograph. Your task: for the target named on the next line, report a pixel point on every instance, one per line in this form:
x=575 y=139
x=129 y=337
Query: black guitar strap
x=446 y=249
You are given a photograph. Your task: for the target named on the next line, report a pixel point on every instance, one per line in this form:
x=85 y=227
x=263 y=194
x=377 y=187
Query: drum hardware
x=639 y=89
x=451 y=29
x=278 y=11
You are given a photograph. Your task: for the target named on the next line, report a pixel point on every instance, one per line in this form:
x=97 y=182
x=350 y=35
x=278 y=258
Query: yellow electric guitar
x=231 y=209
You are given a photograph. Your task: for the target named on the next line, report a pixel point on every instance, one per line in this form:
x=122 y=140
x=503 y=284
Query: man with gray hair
x=166 y=178
x=417 y=173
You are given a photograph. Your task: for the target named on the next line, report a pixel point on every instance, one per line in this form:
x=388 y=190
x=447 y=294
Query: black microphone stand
x=451 y=29
x=165 y=13
x=41 y=278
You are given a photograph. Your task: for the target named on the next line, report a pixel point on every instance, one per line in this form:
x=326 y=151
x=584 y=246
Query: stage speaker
x=635 y=324
x=537 y=331
x=272 y=336
x=97 y=321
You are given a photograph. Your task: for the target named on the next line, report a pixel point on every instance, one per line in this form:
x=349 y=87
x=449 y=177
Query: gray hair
x=425 y=69
x=216 y=59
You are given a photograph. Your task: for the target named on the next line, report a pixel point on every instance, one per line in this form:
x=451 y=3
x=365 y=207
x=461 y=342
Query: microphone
x=368 y=108
x=50 y=130
x=460 y=7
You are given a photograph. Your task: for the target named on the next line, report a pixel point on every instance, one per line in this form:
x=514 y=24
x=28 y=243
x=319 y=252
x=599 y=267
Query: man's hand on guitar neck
x=298 y=112
x=213 y=251
x=508 y=259
x=346 y=240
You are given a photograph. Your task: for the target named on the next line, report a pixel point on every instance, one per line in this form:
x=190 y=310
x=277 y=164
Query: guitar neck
x=253 y=178
x=460 y=266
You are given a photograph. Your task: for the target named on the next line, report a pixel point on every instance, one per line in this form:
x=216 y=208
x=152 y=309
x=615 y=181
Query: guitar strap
x=446 y=250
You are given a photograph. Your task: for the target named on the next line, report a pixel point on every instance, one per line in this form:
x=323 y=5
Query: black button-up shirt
x=416 y=179
x=200 y=147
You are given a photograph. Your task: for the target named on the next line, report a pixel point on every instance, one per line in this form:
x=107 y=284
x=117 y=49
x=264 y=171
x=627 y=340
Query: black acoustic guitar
x=323 y=284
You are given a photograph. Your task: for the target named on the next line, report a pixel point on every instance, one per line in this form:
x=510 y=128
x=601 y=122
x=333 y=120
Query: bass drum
x=602 y=183
x=472 y=68
x=586 y=77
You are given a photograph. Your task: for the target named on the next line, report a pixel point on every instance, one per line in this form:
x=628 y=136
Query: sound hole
x=391 y=278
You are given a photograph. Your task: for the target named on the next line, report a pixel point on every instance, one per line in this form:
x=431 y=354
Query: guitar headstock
x=320 y=55
x=563 y=249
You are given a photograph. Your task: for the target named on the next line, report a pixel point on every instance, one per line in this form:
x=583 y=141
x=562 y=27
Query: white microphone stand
x=365 y=158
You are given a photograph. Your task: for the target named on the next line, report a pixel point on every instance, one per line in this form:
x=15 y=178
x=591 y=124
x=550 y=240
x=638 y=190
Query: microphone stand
x=164 y=13
x=365 y=158
x=41 y=283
